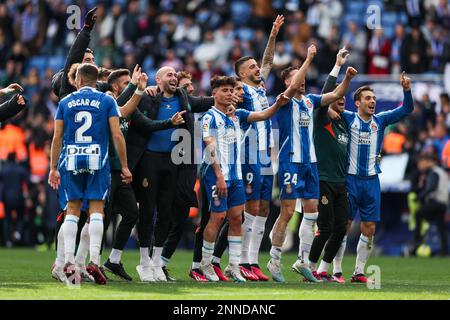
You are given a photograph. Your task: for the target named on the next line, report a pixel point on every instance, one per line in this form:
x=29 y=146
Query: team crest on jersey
x=288 y=189
x=309 y=104
x=249 y=189
x=374 y=127
x=145 y=183
x=217 y=202
x=324 y=200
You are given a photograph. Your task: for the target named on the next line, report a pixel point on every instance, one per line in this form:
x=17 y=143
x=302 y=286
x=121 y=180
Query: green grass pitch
x=25 y=274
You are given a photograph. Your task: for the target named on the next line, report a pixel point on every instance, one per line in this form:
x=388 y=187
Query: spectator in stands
x=355 y=41
x=378 y=53
x=397 y=50
x=207 y=52
x=13 y=177
x=393 y=142
x=416 y=52
x=433 y=197
x=443 y=14
x=438 y=45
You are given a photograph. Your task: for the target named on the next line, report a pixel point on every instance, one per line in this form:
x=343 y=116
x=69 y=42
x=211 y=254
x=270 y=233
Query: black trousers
x=8 y=222
x=123 y=201
x=169 y=232
x=154 y=186
x=204 y=211
x=432 y=211
x=332 y=221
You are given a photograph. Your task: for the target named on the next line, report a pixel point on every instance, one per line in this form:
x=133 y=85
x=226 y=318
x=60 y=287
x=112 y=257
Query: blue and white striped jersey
x=86 y=116
x=258 y=136
x=227 y=133
x=366 y=138
x=296 y=123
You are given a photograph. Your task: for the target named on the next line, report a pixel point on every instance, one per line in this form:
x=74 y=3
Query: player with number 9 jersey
x=84 y=156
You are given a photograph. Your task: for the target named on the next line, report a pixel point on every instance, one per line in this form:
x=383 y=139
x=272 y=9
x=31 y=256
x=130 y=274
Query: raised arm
x=341 y=59
x=267 y=60
x=78 y=48
x=340 y=90
x=200 y=104
x=393 y=116
x=131 y=105
x=13 y=106
x=300 y=75
x=269 y=112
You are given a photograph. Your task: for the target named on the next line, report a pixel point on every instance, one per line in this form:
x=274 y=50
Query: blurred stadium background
x=205 y=37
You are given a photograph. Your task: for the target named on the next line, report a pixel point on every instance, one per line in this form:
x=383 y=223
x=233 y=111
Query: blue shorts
x=257 y=186
x=364 y=197
x=235 y=188
x=298 y=180
x=62 y=195
x=86 y=186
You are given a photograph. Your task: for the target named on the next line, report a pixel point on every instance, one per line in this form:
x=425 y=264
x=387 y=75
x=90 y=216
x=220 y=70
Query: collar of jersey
x=220 y=112
x=86 y=88
x=367 y=122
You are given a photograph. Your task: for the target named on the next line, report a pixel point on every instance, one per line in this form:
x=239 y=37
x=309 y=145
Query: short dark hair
x=358 y=92
x=116 y=74
x=238 y=64
x=430 y=156
x=184 y=75
x=286 y=72
x=88 y=72
x=219 y=81
x=88 y=50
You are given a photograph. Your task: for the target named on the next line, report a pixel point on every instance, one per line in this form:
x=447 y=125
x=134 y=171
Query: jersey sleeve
x=113 y=109
x=208 y=125
x=242 y=114
x=348 y=116
x=59 y=115
x=397 y=114
x=315 y=99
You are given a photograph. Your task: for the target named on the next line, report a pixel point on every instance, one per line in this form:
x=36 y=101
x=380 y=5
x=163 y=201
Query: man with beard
x=157 y=176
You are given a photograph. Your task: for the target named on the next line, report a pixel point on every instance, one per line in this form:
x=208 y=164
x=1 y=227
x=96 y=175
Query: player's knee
x=252 y=207
x=235 y=220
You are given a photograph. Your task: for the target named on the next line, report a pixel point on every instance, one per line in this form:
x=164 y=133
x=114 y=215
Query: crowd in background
x=205 y=37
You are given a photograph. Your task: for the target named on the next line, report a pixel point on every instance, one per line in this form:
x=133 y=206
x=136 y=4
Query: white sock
x=60 y=250
x=306 y=234
x=275 y=253
x=83 y=246
x=337 y=261
x=207 y=251
x=195 y=265
x=246 y=236
x=323 y=267
x=70 y=228
x=363 y=251
x=115 y=256
x=145 y=257
x=216 y=259
x=234 y=249
x=156 y=256
x=259 y=225
x=96 y=236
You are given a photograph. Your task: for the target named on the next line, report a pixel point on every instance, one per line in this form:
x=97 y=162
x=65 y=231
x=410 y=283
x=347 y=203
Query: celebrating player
x=298 y=164
x=256 y=169
x=81 y=125
x=366 y=131
x=221 y=173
